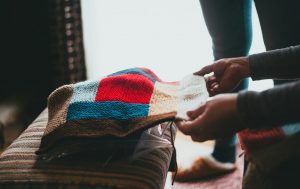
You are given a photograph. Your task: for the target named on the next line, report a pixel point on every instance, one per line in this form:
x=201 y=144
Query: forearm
x=276 y=64
x=270 y=108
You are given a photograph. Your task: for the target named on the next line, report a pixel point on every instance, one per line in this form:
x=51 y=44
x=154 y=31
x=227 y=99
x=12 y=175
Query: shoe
x=203 y=167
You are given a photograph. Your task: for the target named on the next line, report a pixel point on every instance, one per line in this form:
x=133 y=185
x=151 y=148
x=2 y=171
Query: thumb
x=197 y=112
x=190 y=127
x=184 y=127
x=205 y=70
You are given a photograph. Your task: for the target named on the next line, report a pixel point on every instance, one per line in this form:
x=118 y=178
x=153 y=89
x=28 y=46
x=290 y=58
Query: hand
x=227 y=74
x=217 y=118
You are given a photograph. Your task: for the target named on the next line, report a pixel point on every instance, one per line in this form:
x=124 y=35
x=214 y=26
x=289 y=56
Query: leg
x=279 y=22
x=229 y=25
x=225 y=149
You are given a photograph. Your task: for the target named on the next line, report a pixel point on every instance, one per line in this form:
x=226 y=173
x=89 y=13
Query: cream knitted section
x=163 y=99
x=192 y=93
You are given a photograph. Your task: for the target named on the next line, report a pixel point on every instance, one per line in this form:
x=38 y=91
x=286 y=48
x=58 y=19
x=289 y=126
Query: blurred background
x=170 y=37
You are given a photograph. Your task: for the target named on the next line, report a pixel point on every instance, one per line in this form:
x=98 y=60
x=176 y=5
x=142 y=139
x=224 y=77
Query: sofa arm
x=22 y=168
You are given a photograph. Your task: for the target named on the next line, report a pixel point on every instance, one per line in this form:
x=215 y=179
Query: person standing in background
x=229 y=25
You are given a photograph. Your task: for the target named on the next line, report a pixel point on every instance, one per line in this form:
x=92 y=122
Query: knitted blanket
x=116 y=107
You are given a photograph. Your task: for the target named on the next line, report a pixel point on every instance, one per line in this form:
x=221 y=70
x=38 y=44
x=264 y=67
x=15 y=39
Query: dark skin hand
x=218 y=118
x=227 y=73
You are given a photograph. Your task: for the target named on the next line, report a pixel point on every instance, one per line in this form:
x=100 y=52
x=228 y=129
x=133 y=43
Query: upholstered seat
x=20 y=167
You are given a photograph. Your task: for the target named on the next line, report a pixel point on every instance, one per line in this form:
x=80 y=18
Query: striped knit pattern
x=21 y=168
x=117 y=106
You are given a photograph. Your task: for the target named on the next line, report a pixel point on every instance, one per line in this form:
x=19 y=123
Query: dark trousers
x=229 y=25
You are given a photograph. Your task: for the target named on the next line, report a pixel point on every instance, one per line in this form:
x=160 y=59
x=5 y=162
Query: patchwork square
x=130 y=88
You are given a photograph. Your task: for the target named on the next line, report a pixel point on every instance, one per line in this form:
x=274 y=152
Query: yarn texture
x=118 y=105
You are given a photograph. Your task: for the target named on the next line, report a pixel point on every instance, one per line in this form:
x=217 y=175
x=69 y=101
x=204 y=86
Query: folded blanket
x=116 y=107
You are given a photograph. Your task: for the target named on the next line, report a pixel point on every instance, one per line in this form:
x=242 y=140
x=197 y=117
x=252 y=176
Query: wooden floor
x=188 y=150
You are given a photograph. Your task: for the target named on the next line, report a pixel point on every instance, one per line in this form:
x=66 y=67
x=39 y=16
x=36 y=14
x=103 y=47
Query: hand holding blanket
x=117 y=106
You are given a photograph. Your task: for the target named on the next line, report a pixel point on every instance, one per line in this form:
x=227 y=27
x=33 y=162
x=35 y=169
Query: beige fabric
x=192 y=93
x=188 y=95
x=163 y=99
x=58 y=103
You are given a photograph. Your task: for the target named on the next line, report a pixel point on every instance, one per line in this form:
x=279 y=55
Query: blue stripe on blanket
x=106 y=110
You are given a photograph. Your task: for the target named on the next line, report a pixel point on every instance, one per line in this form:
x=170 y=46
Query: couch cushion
x=20 y=167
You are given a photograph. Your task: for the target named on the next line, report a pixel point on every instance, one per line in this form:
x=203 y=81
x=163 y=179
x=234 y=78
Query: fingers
x=197 y=112
x=211 y=79
x=205 y=70
x=213 y=86
x=190 y=127
x=184 y=127
x=225 y=83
